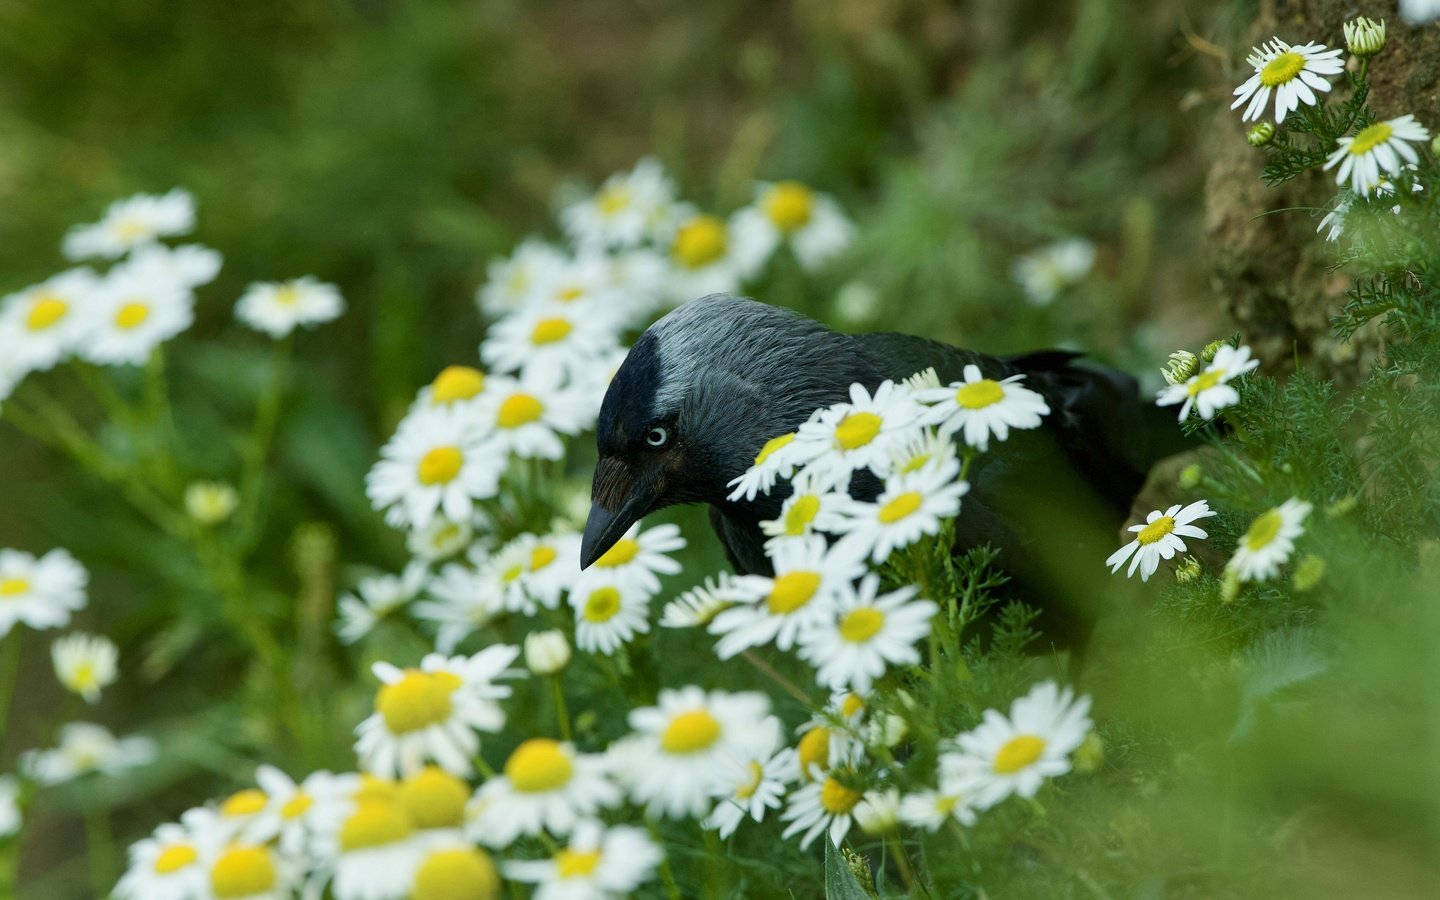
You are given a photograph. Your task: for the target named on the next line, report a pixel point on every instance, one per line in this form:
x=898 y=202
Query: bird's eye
x=657 y=437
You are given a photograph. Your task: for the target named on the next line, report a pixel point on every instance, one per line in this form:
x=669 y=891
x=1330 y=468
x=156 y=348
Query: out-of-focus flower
x=41 y=593
x=1042 y=275
x=878 y=811
x=754 y=786
x=1260 y=134
x=609 y=612
x=790 y=212
x=379 y=851
x=132 y=222
x=1015 y=754
x=440 y=461
x=44 y=323
x=1161 y=537
x=546 y=652
x=545 y=785
x=707 y=257
x=279 y=307
x=83 y=748
x=246 y=871
x=826 y=805
x=171 y=864
x=1292 y=73
x=550 y=336
x=131 y=312
x=1183 y=366
x=189 y=265
x=1309 y=573
x=85 y=663
x=701 y=604
x=1269 y=541
x=441 y=539
x=511 y=283
x=455 y=872
x=597 y=862
x=1418 y=12
x=629 y=209
x=1210 y=391
x=1381 y=146
x=376 y=597
x=454 y=385
x=10 y=815
x=464 y=601
x=527 y=416
x=980 y=408
x=210 y=502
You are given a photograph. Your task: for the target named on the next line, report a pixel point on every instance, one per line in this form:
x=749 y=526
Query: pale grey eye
x=657 y=437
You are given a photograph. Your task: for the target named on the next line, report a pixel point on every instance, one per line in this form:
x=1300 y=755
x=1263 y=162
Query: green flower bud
x=1188 y=570
x=210 y=502
x=1229 y=585
x=1365 y=37
x=1212 y=348
x=1089 y=755
x=1181 y=368
x=1262 y=134
x=1308 y=574
x=1343 y=506
x=1190 y=477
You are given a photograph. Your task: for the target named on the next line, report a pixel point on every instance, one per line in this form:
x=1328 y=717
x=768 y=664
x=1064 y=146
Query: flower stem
x=562 y=713
x=667 y=875
x=768 y=671
x=902 y=860
x=262 y=433
x=100 y=848
x=9 y=671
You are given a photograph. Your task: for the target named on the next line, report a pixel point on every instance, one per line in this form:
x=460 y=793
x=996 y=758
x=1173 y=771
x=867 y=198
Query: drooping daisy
x=510 y=283
x=755 y=786
x=45 y=322
x=167 y=865
x=1160 y=538
x=609 y=613
x=808 y=509
x=434 y=711
x=866 y=634
x=1292 y=73
x=131 y=313
x=706 y=257
x=672 y=761
x=294 y=813
x=625 y=212
x=597 y=863
x=1042 y=275
x=455 y=871
x=548 y=336
x=10 y=816
x=377 y=852
x=1210 y=391
x=863 y=433
x=244 y=871
x=545 y=786
x=279 y=307
x=464 y=602
x=1381 y=146
x=527 y=416
x=85 y=663
x=376 y=597
x=1269 y=541
x=979 y=407
x=826 y=805
x=776 y=459
x=638 y=558
x=83 y=748
x=911 y=506
x=439 y=461
x=809 y=576
x=1015 y=754
x=791 y=212
x=132 y=222
x=702 y=603
x=41 y=593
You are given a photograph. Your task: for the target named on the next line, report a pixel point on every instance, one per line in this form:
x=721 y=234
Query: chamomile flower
x=826 y=805
x=911 y=506
x=1210 y=391
x=625 y=212
x=1381 y=146
x=706 y=257
x=84 y=748
x=808 y=509
x=435 y=801
x=455 y=871
x=41 y=593
x=609 y=612
x=1292 y=73
x=863 y=433
x=679 y=746
x=279 y=307
x=927 y=450
x=168 y=865
x=441 y=539
x=1269 y=541
x=464 y=601
x=878 y=812
x=638 y=558
x=755 y=786
x=702 y=603
x=790 y=212
x=85 y=663
x=438 y=462
x=245 y=871
x=809 y=576
x=549 y=336
x=930 y=810
x=132 y=222
x=980 y=408
x=597 y=863
x=527 y=416
x=545 y=785
x=832 y=736
x=1160 y=538
x=378 y=851
x=44 y=323
x=865 y=634
x=434 y=711
x=1015 y=754
x=189 y=265
x=776 y=459
x=294 y=812
x=584 y=285
x=1335 y=218
x=376 y=597
x=533 y=571
x=131 y=313
x=512 y=282
x=454 y=385
x=1042 y=275
x=10 y=815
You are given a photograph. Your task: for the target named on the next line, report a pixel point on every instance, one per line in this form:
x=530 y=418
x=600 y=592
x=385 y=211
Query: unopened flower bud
x=887 y=730
x=1089 y=755
x=1342 y=507
x=1308 y=574
x=1262 y=134
x=1181 y=368
x=1188 y=570
x=1364 y=37
x=210 y=502
x=878 y=812
x=1190 y=477
x=546 y=652
x=1212 y=348
x=1229 y=585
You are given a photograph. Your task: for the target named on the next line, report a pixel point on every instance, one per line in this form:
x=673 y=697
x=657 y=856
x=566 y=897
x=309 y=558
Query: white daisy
x=168 y=864
x=1043 y=274
x=597 y=863
x=435 y=800
x=279 y=307
x=832 y=736
x=454 y=385
x=863 y=433
x=585 y=285
x=131 y=313
x=441 y=539
x=440 y=461
x=85 y=663
x=638 y=558
x=866 y=634
x=464 y=602
x=1381 y=146
x=706 y=256
x=1293 y=73
x=10 y=815
x=927 y=450
x=808 y=509
x=44 y=323
x=1269 y=541
x=788 y=211
x=544 y=786
x=609 y=613
x=1210 y=391
x=981 y=407
x=455 y=871
x=84 y=748
x=776 y=459
x=511 y=283
x=626 y=211
x=809 y=576
x=911 y=506
x=377 y=597
x=756 y=785
x=532 y=571
x=548 y=336
x=1014 y=755
x=930 y=810
x=189 y=265
x=378 y=852
x=296 y=812
x=638 y=280
x=700 y=604
x=526 y=416
x=1160 y=538
x=132 y=222
x=41 y=593
x=826 y=805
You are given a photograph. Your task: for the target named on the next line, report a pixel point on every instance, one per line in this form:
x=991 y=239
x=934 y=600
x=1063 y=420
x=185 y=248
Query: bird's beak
x=618 y=501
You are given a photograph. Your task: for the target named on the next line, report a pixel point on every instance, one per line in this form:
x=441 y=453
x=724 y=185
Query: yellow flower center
x=465 y=873
x=548 y=331
x=1282 y=68
x=771 y=446
x=851 y=705
x=860 y=625
x=836 y=798
x=132 y=315
x=979 y=394
x=814 y=750
x=519 y=409
x=14 y=587
x=602 y=605
x=1204 y=381
x=244 y=803
x=574 y=864
x=1370 y=138
x=83 y=677
x=1264 y=530
x=537 y=765
x=131 y=229
x=456 y=383
x=243 y=872
x=690 y=732
x=570 y=294
x=373 y=788
x=900 y=507
x=174 y=858
x=418 y=700
x=751 y=784
x=374 y=824
x=789 y=205
x=700 y=242
x=45 y=312
x=857 y=430
x=1018 y=752
x=621 y=553
x=1155 y=530
x=513 y=572
x=542 y=556
x=792 y=591
x=945 y=805
x=287 y=295
x=800 y=514
x=297 y=806
x=440 y=465
x=613 y=199
x=434 y=798
x=915 y=463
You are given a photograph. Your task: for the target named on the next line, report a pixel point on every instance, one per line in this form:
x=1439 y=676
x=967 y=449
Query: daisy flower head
x=85 y=663
x=926 y=450
x=168 y=864
x=562 y=337
x=1042 y=275
x=863 y=433
x=44 y=323
x=435 y=800
x=866 y=634
x=755 y=785
x=130 y=223
x=535 y=570
x=85 y=747
x=545 y=785
x=441 y=539
x=512 y=282
x=910 y=507
x=462 y=602
x=808 y=509
x=981 y=407
x=585 y=285
x=1383 y=146
x=701 y=603
x=609 y=612
x=639 y=276
x=597 y=863
x=295 y=812
x=1292 y=73
x=638 y=558
x=455 y=871
x=248 y=871
x=377 y=851
x=1015 y=754
x=434 y=711
x=277 y=308
x=440 y=461
x=825 y=805
x=625 y=212
x=547 y=652
x=776 y=459
x=41 y=593
x=526 y=416
x=1269 y=541
x=790 y=212
x=809 y=576
x=705 y=256
x=131 y=313
x=1210 y=391
x=680 y=746
x=376 y=597
x=453 y=386
x=1160 y=537
x=189 y=265
x=930 y=810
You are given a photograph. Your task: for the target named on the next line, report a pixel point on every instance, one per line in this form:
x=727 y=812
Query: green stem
x=162 y=417
x=667 y=875
x=484 y=767
x=902 y=860
x=9 y=671
x=561 y=712
x=262 y=433
x=101 y=850
x=768 y=671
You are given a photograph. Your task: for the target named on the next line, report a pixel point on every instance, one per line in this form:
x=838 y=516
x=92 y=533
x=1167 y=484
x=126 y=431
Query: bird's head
x=698 y=395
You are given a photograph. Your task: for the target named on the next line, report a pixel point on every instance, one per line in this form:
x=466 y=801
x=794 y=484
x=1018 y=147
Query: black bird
x=706 y=386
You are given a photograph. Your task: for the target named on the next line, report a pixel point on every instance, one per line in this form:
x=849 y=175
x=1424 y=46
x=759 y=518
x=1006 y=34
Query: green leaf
x=840 y=881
